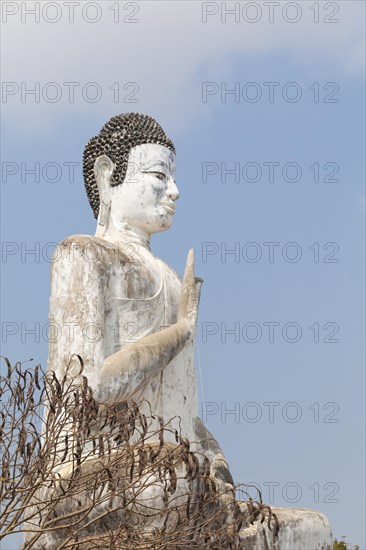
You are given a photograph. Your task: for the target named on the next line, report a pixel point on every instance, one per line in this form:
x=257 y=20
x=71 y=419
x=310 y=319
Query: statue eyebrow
x=154 y=163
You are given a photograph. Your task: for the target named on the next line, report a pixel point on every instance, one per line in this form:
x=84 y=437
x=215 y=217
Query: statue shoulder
x=93 y=250
x=103 y=263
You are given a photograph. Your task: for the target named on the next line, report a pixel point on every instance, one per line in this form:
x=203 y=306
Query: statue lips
x=169 y=206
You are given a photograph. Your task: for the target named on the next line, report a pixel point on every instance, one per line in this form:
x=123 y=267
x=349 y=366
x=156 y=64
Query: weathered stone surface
x=300 y=529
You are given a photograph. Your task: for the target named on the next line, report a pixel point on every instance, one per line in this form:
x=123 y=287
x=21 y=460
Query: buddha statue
x=131 y=317
x=127 y=313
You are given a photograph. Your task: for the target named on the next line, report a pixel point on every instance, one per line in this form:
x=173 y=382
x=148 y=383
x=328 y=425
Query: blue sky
x=168 y=55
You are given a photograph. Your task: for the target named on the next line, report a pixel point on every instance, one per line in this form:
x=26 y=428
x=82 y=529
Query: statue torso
x=133 y=294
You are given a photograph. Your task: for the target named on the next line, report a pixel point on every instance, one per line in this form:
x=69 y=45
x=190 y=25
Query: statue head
x=129 y=170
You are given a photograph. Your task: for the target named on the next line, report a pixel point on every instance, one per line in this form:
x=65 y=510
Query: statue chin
x=166 y=222
x=156 y=224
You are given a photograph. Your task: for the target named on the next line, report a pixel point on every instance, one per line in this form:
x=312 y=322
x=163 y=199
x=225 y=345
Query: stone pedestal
x=300 y=529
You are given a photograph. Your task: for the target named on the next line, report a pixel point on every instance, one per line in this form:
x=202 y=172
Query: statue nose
x=174 y=196
x=173 y=192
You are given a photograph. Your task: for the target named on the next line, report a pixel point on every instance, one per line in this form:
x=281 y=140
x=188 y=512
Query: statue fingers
x=187 y=285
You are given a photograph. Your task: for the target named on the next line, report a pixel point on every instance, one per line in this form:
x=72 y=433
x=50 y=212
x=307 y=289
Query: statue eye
x=159 y=175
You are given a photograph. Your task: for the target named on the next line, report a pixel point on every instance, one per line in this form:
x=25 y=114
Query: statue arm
x=127 y=371
x=130 y=369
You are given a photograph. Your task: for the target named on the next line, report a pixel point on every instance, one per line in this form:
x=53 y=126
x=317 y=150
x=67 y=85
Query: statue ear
x=103 y=170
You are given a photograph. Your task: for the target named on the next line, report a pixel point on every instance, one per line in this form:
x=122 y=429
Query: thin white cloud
x=164 y=52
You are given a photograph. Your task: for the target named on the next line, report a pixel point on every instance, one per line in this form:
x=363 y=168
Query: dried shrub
x=80 y=474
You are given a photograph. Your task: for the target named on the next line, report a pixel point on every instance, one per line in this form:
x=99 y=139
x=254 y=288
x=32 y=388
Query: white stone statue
x=124 y=310
x=129 y=315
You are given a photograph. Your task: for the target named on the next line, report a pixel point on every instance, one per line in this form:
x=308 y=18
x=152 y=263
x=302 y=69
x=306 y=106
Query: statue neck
x=124 y=233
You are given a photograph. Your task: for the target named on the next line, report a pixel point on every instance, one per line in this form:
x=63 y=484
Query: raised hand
x=188 y=307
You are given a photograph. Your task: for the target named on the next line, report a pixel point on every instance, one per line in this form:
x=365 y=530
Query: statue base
x=300 y=529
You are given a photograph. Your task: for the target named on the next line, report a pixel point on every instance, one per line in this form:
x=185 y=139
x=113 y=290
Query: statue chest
x=139 y=300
